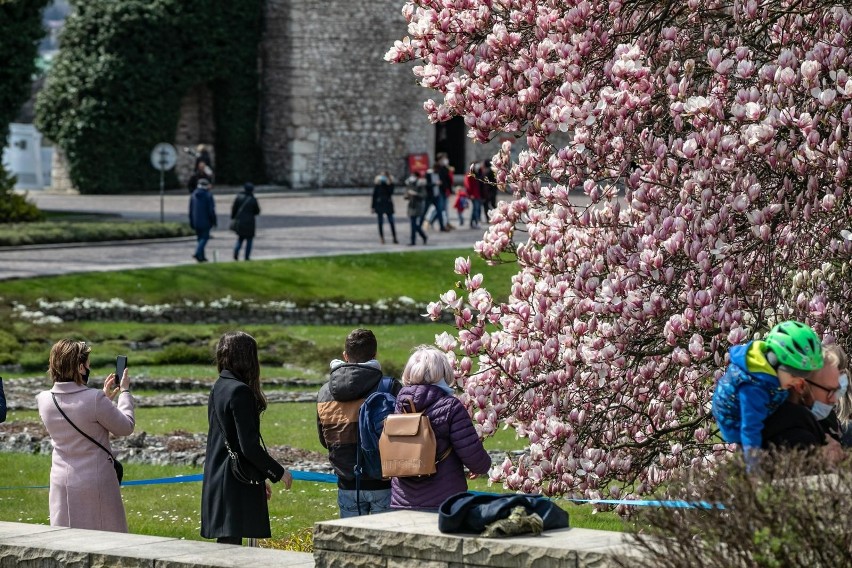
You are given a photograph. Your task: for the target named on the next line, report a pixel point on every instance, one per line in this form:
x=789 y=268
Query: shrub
x=300 y=541
x=182 y=354
x=795 y=511
x=14 y=208
x=136 y=58
x=9 y=348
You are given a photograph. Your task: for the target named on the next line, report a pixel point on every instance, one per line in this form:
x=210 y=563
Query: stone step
x=45 y=546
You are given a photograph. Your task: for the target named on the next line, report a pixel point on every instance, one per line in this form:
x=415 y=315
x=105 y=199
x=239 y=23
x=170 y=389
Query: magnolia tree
x=728 y=125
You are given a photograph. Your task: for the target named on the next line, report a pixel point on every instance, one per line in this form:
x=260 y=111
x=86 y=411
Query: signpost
x=163 y=157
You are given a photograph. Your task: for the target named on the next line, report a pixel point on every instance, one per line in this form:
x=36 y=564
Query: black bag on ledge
x=472 y=512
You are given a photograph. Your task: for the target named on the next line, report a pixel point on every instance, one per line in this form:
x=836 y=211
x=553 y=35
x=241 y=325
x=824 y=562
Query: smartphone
x=120 y=366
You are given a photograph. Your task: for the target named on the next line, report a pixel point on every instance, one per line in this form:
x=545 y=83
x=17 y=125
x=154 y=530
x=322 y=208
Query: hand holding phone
x=120 y=366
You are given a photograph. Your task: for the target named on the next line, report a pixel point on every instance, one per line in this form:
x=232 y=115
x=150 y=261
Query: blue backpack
x=371 y=422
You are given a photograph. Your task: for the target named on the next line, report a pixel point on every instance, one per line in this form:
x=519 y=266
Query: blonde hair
x=66 y=356
x=835 y=355
x=427 y=366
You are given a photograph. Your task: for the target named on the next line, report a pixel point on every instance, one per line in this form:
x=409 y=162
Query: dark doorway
x=450 y=138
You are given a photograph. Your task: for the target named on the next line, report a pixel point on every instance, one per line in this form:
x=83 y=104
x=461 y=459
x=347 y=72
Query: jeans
x=417 y=229
x=239 y=245
x=440 y=212
x=203 y=235
x=438 y=202
x=381 y=225
x=372 y=502
x=477 y=211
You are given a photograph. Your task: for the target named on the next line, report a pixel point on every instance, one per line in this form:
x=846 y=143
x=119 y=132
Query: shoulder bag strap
x=219 y=423
x=92 y=440
x=243 y=206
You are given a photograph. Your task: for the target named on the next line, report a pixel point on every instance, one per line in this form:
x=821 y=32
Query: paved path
x=292 y=224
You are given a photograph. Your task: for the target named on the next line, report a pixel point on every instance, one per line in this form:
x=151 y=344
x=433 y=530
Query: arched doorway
x=450 y=138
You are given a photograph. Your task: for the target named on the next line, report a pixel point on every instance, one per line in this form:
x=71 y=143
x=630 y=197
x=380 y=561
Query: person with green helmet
x=758 y=378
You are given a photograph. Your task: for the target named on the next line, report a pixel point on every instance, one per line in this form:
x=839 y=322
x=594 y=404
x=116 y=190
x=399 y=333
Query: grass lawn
x=186 y=350
x=368 y=277
x=173 y=510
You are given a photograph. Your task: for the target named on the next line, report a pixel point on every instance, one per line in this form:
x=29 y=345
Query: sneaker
x=236 y=255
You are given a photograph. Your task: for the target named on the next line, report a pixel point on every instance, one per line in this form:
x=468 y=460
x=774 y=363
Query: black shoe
x=424 y=239
x=202 y=260
x=411 y=244
x=236 y=255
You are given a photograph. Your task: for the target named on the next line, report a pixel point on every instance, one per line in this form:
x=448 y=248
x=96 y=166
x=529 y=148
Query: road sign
x=163 y=156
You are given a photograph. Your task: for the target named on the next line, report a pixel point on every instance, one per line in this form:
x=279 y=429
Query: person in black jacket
x=351 y=381
x=243 y=212
x=382 y=204
x=794 y=424
x=232 y=509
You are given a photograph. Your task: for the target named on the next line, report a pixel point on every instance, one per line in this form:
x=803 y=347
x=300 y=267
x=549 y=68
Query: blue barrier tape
x=676 y=504
x=331 y=478
x=297 y=476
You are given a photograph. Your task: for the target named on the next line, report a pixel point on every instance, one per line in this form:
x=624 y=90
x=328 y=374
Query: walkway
x=292 y=224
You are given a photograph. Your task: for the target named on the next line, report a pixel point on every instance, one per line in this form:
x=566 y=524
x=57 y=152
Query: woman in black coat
x=383 y=204
x=243 y=212
x=232 y=509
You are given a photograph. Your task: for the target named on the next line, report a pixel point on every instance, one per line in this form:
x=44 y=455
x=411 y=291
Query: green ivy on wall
x=20 y=30
x=123 y=68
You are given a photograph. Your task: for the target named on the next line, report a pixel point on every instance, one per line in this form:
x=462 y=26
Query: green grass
x=173 y=510
x=285 y=351
x=358 y=278
x=67 y=231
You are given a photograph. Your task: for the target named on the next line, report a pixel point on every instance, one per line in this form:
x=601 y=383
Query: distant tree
x=21 y=29
x=115 y=89
x=729 y=123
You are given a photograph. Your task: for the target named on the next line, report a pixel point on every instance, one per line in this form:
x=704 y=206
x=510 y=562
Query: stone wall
x=335 y=112
x=195 y=126
x=411 y=538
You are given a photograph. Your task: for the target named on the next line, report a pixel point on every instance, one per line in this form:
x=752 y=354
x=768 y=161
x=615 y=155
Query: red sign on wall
x=418 y=163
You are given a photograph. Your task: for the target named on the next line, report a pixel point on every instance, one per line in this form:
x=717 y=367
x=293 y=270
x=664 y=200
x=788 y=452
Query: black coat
x=792 y=426
x=244 y=210
x=382 y=200
x=230 y=508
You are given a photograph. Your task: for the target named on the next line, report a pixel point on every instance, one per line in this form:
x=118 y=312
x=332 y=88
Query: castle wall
x=334 y=112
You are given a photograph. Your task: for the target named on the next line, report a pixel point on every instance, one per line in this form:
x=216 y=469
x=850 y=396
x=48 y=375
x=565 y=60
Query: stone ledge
x=410 y=538
x=48 y=547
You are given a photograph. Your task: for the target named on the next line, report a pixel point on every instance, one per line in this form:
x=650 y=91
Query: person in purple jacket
x=425 y=384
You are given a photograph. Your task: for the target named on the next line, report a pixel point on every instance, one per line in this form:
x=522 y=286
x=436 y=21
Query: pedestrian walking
x=487 y=188
x=202 y=217
x=382 y=204
x=472 y=188
x=415 y=194
x=462 y=202
x=243 y=212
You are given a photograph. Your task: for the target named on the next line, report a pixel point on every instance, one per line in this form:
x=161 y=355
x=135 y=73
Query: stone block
x=333 y=559
x=14 y=556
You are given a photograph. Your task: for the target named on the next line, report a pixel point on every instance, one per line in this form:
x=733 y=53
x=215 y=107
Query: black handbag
x=238 y=470
x=116 y=465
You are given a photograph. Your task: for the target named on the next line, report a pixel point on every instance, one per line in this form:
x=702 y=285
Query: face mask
x=86 y=376
x=821 y=410
x=844 y=384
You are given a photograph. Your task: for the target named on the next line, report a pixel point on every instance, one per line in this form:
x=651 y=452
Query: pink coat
x=84 y=492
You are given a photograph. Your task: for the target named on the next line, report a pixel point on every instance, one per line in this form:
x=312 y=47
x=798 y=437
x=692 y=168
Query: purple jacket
x=453 y=427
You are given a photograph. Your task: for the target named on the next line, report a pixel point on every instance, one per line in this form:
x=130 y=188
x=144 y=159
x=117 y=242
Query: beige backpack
x=407 y=446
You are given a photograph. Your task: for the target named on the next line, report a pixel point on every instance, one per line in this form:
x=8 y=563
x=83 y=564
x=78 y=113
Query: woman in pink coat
x=84 y=490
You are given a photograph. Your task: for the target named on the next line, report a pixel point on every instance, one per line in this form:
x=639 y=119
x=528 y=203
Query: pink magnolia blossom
x=681 y=183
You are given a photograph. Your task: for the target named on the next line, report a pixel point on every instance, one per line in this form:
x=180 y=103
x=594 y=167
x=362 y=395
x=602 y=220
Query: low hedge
x=17 y=234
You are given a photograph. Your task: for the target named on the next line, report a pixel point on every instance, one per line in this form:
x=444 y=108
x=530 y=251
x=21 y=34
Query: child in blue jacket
x=757 y=379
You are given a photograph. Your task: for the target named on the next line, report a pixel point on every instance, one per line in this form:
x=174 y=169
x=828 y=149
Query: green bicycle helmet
x=796 y=346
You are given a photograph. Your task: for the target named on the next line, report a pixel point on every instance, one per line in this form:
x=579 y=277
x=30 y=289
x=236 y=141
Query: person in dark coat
x=351 y=381
x=243 y=212
x=415 y=194
x=425 y=387
x=202 y=216
x=794 y=425
x=231 y=509
x=383 y=204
